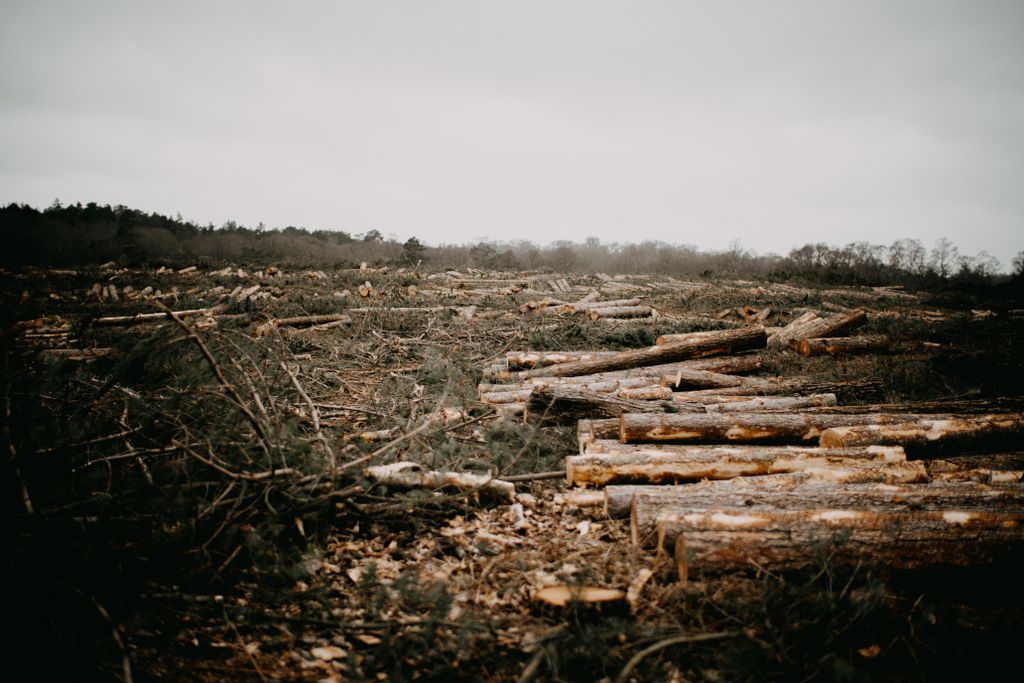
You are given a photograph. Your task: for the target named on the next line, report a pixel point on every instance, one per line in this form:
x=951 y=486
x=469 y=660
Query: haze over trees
x=74 y=234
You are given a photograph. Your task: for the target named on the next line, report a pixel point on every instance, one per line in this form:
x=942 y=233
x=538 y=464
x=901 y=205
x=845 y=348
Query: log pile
x=722 y=469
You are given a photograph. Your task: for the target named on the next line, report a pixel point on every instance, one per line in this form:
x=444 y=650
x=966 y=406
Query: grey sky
x=776 y=123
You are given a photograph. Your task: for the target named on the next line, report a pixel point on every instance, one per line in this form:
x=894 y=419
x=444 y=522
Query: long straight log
x=651 y=465
x=620 y=312
x=729 y=341
x=685 y=379
x=684 y=337
x=747 y=427
x=519 y=360
x=843 y=346
x=723 y=364
x=644 y=504
x=570 y=403
x=614 y=303
x=773 y=403
x=736 y=538
x=140 y=318
x=773 y=387
x=838 y=325
x=931 y=432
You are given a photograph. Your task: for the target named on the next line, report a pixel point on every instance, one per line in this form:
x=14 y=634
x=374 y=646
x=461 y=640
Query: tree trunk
x=685 y=379
x=615 y=303
x=647 y=393
x=776 y=386
x=782 y=337
x=931 y=433
x=620 y=312
x=564 y=403
x=843 y=346
x=724 y=364
x=729 y=341
x=741 y=538
x=651 y=465
x=838 y=325
x=684 y=337
x=754 y=427
x=519 y=360
x=775 y=403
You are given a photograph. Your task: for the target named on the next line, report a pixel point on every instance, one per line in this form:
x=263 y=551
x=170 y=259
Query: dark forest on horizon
x=76 y=234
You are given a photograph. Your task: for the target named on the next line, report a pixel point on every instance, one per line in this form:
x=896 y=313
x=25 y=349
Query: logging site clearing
x=270 y=473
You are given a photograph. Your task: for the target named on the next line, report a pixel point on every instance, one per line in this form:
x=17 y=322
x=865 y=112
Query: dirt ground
x=199 y=508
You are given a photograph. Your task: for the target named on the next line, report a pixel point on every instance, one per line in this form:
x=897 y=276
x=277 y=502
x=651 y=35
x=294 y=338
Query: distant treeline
x=75 y=234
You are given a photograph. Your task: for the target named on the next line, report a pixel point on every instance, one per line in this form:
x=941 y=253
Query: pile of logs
x=595 y=310
x=726 y=470
x=812 y=335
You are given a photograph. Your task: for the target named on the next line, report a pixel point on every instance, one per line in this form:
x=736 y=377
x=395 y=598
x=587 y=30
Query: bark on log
x=683 y=337
x=685 y=380
x=620 y=312
x=773 y=403
x=735 y=538
x=615 y=303
x=724 y=364
x=651 y=465
x=139 y=318
x=838 y=325
x=726 y=342
x=782 y=337
x=520 y=360
x=567 y=403
x=931 y=433
x=775 y=386
x=843 y=346
x=647 y=393
x=413 y=475
x=643 y=504
x=759 y=427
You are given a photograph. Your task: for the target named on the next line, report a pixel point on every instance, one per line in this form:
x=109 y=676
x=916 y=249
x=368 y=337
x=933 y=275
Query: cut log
x=615 y=303
x=565 y=402
x=694 y=463
x=737 y=538
x=726 y=342
x=799 y=385
x=782 y=337
x=414 y=475
x=684 y=379
x=584 y=596
x=724 y=364
x=642 y=505
x=647 y=393
x=930 y=433
x=843 y=346
x=140 y=318
x=684 y=337
x=793 y=428
x=499 y=397
x=519 y=360
x=620 y=312
x=773 y=403
x=587 y=430
x=838 y=325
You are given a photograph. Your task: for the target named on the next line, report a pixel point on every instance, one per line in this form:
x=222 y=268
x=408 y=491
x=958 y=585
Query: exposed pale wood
x=414 y=475
x=620 y=312
x=519 y=360
x=773 y=403
x=75 y=354
x=726 y=342
x=647 y=393
x=589 y=596
x=737 y=538
x=750 y=427
x=614 y=303
x=651 y=465
x=139 y=318
x=833 y=326
x=841 y=346
x=686 y=379
x=782 y=337
x=799 y=385
x=931 y=432
x=643 y=504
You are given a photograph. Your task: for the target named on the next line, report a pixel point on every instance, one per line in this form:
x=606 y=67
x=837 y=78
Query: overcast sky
x=775 y=123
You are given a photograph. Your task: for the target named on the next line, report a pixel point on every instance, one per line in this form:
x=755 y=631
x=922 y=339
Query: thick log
x=837 y=325
x=694 y=463
x=620 y=312
x=685 y=379
x=566 y=402
x=781 y=403
x=519 y=360
x=413 y=475
x=726 y=342
x=615 y=303
x=800 y=385
x=740 y=538
x=930 y=433
x=793 y=428
x=843 y=346
x=643 y=504
x=588 y=430
x=684 y=337
x=647 y=393
x=782 y=337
